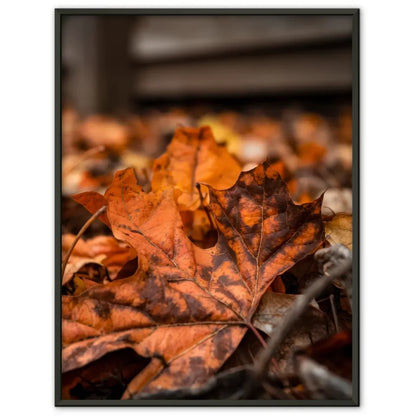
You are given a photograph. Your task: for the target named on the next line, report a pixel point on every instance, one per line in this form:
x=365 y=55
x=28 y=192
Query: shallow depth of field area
x=207 y=230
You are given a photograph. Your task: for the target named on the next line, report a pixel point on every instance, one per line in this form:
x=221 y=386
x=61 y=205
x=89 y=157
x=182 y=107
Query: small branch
x=85 y=156
x=299 y=307
x=79 y=235
x=276 y=392
x=320 y=382
x=334 y=312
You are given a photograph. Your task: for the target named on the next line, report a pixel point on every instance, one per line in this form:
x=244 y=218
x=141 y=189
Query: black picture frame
x=355 y=14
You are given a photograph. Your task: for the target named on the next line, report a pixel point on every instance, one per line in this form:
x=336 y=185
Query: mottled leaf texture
x=188 y=308
x=194 y=157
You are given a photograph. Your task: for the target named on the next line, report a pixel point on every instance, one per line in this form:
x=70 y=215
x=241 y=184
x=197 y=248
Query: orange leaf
x=193 y=306
x=105 y=249
x=194 y=157
x=93 y=201
x=311 y=153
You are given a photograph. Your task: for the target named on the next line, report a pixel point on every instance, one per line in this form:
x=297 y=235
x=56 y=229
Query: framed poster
x=207 y=207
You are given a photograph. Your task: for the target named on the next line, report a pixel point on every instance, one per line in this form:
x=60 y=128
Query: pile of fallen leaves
x=314 y=150
x=201 y=266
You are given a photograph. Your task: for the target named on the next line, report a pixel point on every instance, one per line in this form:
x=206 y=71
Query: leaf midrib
x=171 y=260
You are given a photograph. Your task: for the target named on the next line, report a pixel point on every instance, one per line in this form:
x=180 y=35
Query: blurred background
x=272 y=86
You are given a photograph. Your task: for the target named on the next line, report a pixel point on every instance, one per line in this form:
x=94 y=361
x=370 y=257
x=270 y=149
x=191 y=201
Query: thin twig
x=320 y=382
x=79 y=235
x=297 y=310
x=334 y=312
x=276 y=392
x=85 y=156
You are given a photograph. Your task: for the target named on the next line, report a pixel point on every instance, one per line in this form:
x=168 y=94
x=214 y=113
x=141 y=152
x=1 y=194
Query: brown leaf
x=77 y=264
x=335 y=353
x=198 y=228
x=191 y=309
x=313 y=327
x=80 y=282
x=105 y=378
x=93 y=201
x=278 y=285
x=100 y=130
x=194 y=157
x=311 y=153
x=338 y=230
x=104 y=250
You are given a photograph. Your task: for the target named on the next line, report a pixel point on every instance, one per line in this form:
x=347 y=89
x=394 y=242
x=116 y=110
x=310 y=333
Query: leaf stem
x=262 y=342
x=79 y=235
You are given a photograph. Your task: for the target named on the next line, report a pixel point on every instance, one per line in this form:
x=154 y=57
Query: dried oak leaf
x=194 y=157
x=194 y=305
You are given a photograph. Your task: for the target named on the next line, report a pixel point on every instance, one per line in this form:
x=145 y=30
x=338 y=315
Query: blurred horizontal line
x=232 y=52
x=313 y=99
